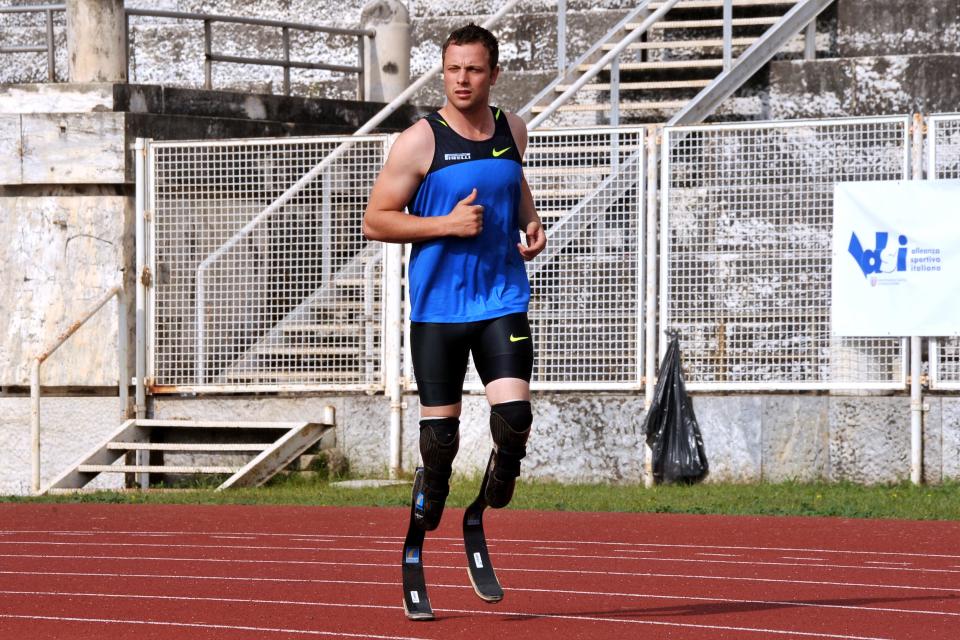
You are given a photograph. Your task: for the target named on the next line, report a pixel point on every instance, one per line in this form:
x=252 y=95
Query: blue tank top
x=470 y=279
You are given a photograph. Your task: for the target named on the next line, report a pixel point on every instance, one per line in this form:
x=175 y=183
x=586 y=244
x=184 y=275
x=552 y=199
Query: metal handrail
x=602 y=62
x=620 y=26
x=802 y=14
x=49 y=49
x=307 y=178
x=209 y=57
x=122 y=374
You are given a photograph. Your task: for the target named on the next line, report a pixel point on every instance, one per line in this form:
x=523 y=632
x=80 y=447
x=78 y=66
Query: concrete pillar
x=96 y=41
x=387 y=57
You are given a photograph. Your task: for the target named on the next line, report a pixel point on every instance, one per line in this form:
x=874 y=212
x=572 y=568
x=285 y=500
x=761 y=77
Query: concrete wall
x=71 y=427
x=576 y=438
x=865 y=86
x=58 y=255
x=889 y=57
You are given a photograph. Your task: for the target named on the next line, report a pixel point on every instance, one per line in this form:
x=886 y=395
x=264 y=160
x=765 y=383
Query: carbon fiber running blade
x=416 y=603
x=482 y=576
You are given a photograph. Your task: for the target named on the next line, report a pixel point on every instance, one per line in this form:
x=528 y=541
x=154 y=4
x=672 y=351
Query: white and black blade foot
x=416 y=603
x=482 y=576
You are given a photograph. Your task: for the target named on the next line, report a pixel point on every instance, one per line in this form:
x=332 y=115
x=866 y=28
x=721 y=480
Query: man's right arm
x=385 y=220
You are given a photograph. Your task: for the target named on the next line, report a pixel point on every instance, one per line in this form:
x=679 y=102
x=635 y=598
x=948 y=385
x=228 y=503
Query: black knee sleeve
x=439 y=443
x=510 y=426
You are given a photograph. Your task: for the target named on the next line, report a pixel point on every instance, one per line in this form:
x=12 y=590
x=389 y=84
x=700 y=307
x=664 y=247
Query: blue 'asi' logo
x=880 y=259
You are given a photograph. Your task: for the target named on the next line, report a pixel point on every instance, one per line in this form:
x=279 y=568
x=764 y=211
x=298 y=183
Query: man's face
x=467 y=76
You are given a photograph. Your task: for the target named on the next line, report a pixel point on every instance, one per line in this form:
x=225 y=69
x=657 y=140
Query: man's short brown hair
x=474 y=33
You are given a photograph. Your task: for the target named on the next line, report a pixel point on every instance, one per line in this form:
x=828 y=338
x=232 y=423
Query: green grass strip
x=902 y=501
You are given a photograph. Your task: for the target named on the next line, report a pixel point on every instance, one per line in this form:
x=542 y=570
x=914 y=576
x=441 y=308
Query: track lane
x=747 y=577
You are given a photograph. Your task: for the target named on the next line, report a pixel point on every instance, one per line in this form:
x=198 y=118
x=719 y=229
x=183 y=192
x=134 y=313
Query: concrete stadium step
x=561 y=193
x=710 y=63
x=308 y=351
x=602 y=151
x=568 y=171
x=339 y=329
x=707 y=24
x=624 y=106
x=718 y=4
x=707 y=43
x=643 y=86
x=155 y=437
x=314 y=377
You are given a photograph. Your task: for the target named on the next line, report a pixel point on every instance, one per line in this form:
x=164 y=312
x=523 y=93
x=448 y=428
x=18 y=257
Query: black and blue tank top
x=470 y=279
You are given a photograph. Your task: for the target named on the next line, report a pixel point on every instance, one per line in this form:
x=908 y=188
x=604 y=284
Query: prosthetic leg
x=439 y=442
x=510 y=425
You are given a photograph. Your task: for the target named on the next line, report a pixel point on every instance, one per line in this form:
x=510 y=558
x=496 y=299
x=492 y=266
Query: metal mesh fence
x=746 y=251
x=243 y=300
x=586 y=307
x=943 y=146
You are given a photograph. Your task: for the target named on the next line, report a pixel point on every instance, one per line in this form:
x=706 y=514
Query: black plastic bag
x=671 y=426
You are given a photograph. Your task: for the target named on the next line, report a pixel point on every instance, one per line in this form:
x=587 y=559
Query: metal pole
x=123 y=374
x=207 y=53
x=35 y=423
x=140 y=316
x=361 y=75
x=615 y=91
x=126 y=45
x=650 y=300
x=51 y=57
x=140 y=372
x=286 y=60
x=916 y=389
x=810 y=41
x=393 y=330
x=916 y=413
x=562 y=36
x=727 y=34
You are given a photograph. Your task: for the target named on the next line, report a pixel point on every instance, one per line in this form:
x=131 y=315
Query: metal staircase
x=335 y=324
x=249 y=453
x=665 y=54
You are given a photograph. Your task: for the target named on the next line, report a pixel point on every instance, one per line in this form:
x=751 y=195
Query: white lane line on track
x=721 y=555
x=563 y=556
x=321 y=540
x=905 y=564
x=800 y=558
x=200 y=625
x=458 y=568
x=511 y=614
x=438 y=585
x=234 y=537
x=555 y=548
x=523 y=541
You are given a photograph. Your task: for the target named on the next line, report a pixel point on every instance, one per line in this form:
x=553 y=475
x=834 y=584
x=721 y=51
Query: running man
x=458 y=172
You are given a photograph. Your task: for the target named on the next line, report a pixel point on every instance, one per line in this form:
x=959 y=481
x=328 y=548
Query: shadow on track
x=718 y=608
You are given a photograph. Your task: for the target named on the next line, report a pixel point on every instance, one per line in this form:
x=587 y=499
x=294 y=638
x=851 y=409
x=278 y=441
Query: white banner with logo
x=896 y=258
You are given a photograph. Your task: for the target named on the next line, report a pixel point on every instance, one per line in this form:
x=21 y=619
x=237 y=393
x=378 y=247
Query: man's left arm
x=527 y=216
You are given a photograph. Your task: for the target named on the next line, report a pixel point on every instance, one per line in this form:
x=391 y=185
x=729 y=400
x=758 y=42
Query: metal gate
x=252 y=297
x=943 y=162
x=746 y=222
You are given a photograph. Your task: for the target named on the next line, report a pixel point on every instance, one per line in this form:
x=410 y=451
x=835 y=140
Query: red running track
x=236 y=572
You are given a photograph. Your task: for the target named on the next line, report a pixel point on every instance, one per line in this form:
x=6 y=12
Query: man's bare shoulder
x=414 y=147
x=518 y=127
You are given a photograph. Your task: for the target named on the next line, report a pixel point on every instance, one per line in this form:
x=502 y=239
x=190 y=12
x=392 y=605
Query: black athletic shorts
x=502 y=348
